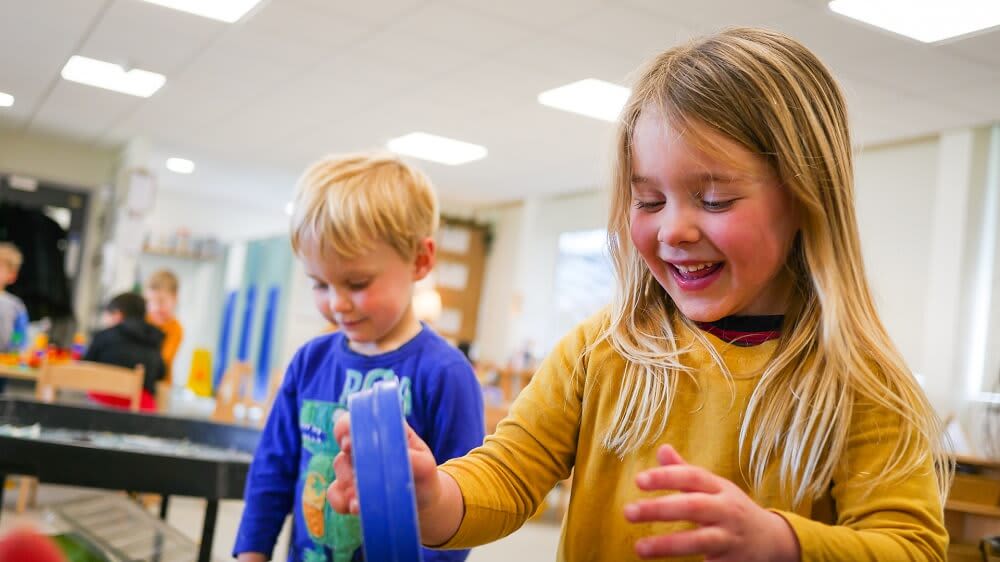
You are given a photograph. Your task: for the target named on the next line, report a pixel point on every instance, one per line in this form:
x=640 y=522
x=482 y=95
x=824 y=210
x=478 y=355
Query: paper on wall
x=453 y=239
x=450 y=321
x=452 y=275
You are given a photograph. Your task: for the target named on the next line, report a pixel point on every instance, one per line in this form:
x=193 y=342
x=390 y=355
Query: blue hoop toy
x=384 y=479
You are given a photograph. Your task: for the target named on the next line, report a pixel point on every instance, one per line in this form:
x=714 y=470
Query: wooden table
x=87 y=461
x=970 y=521
x=20 y=373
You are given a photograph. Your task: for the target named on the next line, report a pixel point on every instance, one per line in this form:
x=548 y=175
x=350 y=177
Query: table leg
x=164 y=505
x=208 y=530
x=3 y=484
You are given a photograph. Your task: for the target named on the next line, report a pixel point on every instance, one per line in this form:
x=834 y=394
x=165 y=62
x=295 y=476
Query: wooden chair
x=85 y=376
x=82 y=376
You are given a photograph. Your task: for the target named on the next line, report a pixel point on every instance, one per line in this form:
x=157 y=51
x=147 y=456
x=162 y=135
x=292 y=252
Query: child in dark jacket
x=129 y=341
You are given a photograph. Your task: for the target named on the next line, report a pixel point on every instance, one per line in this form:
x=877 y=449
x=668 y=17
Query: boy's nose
x=339 y=302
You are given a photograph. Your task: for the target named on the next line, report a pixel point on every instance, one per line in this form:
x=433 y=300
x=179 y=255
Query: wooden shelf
x=178 y=255
x=973 y=508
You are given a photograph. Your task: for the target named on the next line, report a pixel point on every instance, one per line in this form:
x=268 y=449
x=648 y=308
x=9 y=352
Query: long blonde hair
x=773 y=96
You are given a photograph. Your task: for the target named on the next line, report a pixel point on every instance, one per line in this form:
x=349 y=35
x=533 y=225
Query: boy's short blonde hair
x=11 y=256
x=347 y=203
x=163 y=280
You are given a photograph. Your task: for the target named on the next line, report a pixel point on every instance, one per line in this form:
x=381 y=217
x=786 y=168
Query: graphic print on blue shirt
x=330 y=532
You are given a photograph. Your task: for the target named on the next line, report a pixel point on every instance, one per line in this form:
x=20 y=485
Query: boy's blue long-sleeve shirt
x=293 y=464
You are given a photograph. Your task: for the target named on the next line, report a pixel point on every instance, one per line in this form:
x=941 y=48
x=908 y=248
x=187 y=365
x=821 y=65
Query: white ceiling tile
x=983 y=47
x=150 y=37
x=711 y=15
x=531 y=13
x=84 y=110
x=377 y=12
x=640 y=35
x=428 y=56
x=460 y=29
x=298 y=23
x=921 y=70
x=566 y=60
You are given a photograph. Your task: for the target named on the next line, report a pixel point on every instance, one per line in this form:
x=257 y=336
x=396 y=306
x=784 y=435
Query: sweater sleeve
x=899 y=520
x=271 y=482
x=456 y=413
x=504 y=480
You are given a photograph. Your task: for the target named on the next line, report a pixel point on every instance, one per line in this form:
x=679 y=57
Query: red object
x=147 y=402
x=28 y=545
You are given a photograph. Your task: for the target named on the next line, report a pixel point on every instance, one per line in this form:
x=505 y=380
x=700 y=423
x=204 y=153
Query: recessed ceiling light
x=591 y=97
x=437 y=149
x=229 y=11
x=180 y=165
x=110 y=76
x=289 y=208
x=6 y=100
x=927 y=20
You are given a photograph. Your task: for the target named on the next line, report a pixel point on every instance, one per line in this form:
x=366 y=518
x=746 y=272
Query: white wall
x=227 y=219
x=895 y=193
x=516 y=306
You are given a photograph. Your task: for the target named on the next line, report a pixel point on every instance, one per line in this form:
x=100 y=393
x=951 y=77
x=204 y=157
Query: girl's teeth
x=693 y=268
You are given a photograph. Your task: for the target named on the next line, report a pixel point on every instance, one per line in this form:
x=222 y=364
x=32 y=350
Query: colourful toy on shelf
x=19 y=335
x=78 y=347
x=39 y=351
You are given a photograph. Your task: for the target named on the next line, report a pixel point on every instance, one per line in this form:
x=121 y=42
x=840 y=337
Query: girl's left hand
x=731 y=526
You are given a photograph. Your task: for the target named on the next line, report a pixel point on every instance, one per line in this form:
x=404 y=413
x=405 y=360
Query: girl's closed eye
x=319 y=285
x=717 y=205
x=648 y=205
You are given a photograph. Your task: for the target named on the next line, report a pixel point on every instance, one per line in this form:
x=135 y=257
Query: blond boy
x=363 y=226
x=10 y=306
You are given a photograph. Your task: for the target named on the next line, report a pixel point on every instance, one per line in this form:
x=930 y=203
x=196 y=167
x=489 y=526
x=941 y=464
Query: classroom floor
x=533 y=542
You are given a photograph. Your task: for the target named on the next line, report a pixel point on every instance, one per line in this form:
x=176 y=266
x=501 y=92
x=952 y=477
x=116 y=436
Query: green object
x=77 y=548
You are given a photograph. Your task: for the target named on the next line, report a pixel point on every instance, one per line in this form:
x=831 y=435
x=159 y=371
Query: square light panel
x=591 y=97
x=6 y=100
x=433 y=148
x=229 y=11
x=110 y=76
x=924 y=20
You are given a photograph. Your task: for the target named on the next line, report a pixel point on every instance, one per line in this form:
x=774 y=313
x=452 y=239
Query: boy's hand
x=731 y=526
x=251 y=557
x=343 y=494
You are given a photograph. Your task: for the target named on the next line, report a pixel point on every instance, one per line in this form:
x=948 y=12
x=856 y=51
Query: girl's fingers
x=699 y=508
x=706 y=541
x=667 y=455
x=342 y=428
x=681 y=477
x=413 y=441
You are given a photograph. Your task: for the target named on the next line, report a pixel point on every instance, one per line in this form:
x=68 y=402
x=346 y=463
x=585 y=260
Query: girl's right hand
x=343 y=494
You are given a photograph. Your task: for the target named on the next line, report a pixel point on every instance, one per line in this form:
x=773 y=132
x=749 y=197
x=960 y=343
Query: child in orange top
x=160 y=293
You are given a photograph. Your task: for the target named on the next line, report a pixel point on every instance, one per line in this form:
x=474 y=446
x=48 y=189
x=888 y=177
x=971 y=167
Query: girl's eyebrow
x=640 y=179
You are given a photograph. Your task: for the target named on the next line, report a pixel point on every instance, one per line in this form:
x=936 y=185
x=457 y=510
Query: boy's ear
x=423 y=263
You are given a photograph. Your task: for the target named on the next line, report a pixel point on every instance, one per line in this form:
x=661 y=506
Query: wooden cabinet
x=461 y=261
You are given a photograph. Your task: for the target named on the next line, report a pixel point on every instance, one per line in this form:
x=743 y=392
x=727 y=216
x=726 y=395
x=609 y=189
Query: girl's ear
x=423 y=263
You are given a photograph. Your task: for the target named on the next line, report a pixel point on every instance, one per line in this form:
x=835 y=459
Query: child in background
x=127 y=341
x=740 y=398
x=363 y=226
x=10 y=306
x=160 y=292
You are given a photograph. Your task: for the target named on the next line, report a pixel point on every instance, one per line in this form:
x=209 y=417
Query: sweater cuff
x=807 y=531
